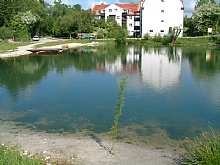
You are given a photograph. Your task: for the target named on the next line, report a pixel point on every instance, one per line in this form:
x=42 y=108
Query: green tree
x=203 y=2
x=23 y=22
x=5 y=32
x=77 y=7
x=188 y=27
x=206 y=16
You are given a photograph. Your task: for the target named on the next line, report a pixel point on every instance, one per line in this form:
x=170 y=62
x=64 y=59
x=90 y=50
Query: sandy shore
x=23 y=50
x=82 y=150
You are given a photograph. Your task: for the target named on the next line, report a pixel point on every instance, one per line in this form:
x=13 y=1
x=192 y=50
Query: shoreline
x=86 y=150
x=23 y=50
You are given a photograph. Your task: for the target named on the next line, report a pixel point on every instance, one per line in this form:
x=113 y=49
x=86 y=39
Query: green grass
x=205 y=149
x=14 y=156
x=70 y=41
x=194 y=41
x=5 y=46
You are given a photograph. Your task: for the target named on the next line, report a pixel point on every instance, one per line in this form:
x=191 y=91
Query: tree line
x=25 y=18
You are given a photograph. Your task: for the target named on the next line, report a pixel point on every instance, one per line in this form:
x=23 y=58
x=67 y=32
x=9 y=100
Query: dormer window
x=97 y=11
x=130 y=11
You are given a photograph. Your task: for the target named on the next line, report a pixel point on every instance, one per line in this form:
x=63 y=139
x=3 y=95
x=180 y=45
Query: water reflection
x=161 y=68
x=171 y=90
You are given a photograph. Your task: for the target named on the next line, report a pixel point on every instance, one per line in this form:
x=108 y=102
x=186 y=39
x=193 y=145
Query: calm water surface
x=171 y=91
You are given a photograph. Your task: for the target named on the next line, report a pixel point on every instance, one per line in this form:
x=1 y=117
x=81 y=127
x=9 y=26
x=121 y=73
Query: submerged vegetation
x=205 y=149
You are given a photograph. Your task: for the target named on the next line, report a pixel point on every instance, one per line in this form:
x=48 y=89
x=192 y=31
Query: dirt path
x=22 y=50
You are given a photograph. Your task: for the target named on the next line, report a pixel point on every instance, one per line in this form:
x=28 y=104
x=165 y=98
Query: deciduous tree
x=206 y=16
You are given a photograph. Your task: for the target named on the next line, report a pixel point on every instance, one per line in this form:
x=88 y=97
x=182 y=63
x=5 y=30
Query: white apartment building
x=159 y=15
x=128 y=14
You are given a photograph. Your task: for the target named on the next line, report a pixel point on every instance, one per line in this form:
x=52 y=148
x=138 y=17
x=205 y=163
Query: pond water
x=171 y=92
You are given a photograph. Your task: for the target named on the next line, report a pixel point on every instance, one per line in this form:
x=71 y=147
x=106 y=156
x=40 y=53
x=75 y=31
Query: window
x=130 y=11
x=118 y=17
x=162 y=11
x=97 y=11
x=116 y=10
x=162 y=0
x=110 y=10
x=151 y=31
x=130 y=24
x=161 y=31
x=162 y=20
x=130 y=17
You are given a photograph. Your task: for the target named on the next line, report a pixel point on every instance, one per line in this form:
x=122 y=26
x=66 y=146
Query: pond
x=171 y=93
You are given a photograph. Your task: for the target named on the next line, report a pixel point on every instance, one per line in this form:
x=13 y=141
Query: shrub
x=205 y=149
x=157 y=38
x=147 y=36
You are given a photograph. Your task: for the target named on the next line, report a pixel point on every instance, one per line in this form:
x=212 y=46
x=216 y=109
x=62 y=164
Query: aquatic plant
x=118 y=111
x=205 y=149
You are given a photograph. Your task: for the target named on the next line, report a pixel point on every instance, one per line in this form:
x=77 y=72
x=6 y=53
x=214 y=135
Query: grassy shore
x=185 y=41
x=204 y=149
x=14 y=156
x=5 y=46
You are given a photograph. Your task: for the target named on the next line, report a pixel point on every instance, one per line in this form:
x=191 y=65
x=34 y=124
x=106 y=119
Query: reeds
x=205 y=149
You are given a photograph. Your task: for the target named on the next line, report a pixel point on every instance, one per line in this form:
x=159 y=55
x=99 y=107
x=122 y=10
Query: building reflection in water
x=158 y=68
x=161 y=68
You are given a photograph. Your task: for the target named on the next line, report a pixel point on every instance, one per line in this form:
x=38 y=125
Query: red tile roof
x=99 y=7
x=134 y=7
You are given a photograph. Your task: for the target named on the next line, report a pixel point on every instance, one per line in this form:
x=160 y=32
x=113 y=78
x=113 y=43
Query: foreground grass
x=205 y=149
x=14 y=156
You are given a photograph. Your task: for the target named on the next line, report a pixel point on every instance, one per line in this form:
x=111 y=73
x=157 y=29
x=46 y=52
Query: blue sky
x=189 y=4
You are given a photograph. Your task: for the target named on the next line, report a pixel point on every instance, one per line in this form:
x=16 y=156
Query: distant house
x=158 y=16
x=123 y=14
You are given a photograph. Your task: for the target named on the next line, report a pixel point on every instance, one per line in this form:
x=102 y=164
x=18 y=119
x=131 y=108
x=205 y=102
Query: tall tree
x=77 y=7
x=206 y=16
x=203 y=2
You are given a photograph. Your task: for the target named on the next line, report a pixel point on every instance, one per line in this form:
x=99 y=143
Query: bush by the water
x=205 y=149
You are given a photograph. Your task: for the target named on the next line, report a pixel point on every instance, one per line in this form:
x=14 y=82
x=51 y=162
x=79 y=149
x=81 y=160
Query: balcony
x=136 y=19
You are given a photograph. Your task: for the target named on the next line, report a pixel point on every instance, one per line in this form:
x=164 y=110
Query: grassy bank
x=204 y=149
x=158 y=41
x=71 y=41
x=5 y=46
x=14 y=156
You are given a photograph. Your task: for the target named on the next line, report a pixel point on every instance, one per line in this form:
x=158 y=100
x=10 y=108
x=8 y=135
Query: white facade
x=159 y=15
x=114 y=10
x=130 y=25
